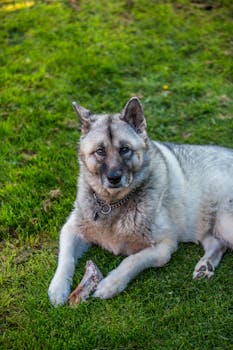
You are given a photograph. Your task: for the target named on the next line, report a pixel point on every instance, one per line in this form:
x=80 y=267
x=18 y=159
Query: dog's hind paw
x=204 y=268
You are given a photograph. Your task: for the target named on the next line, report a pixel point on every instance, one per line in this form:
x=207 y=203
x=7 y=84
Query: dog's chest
x=120 y=235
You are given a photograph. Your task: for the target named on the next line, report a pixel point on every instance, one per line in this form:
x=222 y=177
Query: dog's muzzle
x=114 y=177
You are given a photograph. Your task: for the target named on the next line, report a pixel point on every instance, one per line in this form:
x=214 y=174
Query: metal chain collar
x=106 y=208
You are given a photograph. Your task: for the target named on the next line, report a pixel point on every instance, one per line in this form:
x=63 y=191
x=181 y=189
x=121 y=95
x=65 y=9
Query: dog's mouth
x=114 y=185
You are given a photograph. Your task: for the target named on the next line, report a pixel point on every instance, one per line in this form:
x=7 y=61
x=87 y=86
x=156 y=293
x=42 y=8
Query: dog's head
x=113 y=147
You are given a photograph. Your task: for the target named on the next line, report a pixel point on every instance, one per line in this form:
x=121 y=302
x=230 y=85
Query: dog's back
x=206 y=192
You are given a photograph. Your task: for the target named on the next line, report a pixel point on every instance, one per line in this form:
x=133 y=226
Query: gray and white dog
x=140 y=198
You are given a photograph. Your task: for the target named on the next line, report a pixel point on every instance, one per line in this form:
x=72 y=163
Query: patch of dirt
x=74 y=4
x=48 y=202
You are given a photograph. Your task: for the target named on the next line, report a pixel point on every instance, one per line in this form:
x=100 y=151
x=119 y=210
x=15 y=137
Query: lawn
x=177 y=57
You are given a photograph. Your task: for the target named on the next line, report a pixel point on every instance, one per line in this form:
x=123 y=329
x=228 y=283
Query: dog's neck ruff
x=106 y=208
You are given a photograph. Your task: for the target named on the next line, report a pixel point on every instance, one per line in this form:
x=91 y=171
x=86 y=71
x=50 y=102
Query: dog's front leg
x=117 y=280
x=72 y=247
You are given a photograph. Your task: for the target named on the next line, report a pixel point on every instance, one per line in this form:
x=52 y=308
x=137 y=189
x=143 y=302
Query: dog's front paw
x=204 y=268
x=109 y=286
x=58 y=291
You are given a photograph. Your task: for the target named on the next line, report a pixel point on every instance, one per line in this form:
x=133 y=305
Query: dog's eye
x=124 y=150
x=100 y=152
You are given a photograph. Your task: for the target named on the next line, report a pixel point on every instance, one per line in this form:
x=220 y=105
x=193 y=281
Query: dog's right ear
x=84 y=116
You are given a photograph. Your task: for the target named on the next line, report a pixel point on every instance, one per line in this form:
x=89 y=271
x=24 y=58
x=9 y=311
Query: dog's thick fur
x=141 y=198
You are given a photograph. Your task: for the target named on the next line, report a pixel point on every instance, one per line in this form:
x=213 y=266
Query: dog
x=140 y=198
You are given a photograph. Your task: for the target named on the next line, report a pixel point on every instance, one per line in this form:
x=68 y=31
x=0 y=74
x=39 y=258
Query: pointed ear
x=84 y=116
x=133 y=115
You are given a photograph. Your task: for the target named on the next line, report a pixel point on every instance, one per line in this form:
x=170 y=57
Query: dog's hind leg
x=117 y=280
x=72 y=247
x=214 y=250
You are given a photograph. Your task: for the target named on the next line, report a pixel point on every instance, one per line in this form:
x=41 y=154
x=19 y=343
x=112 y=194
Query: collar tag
x=106 y=209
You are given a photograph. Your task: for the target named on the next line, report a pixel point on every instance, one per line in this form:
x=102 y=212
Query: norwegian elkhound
x=140 y=198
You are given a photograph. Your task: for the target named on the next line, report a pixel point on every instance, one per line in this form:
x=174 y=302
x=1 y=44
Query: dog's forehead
x=104 y=120
x=110 y=130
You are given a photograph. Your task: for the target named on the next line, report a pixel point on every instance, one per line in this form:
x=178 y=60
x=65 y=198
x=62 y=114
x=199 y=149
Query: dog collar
x=106 y=208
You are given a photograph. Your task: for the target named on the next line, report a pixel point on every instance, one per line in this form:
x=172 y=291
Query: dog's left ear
x=133 y=115
x=84 y=116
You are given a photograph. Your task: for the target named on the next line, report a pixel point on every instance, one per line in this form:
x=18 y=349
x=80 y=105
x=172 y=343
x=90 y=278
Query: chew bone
x=87 y=285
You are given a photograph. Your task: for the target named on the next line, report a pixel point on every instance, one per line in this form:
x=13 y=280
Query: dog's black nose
x=114 y=176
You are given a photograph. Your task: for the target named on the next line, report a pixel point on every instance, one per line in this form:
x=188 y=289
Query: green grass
x=177 y=57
